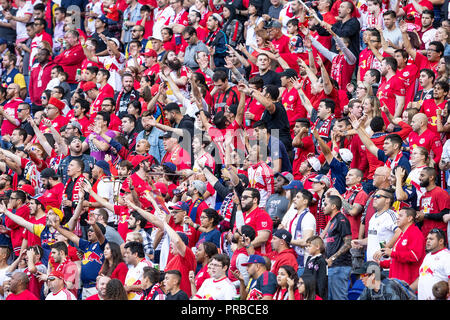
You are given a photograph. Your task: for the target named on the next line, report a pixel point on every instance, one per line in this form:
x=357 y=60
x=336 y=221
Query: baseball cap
x=156 y=37
x=322 y=179
x=289 y=73
x=150 y=53
x=28 y=188
x=171 y=166
x=286 y=175
x=369 y=267
x=77 y=125
x=166 y=135
x=183 y=237
x=88 y=86
x=56 y=274
x=346 y=155
x=217 y=17
x=314 y=163
x=295 y=184
x=117 y=42
x=48 y=173
x=104 y=166
x=103 y=18
x=138 y=159
x=180 y=205
x=284 y=235
x=274 y=24
x=200 y=186
x=58 y=212
x=254 y=258
x=57 y=103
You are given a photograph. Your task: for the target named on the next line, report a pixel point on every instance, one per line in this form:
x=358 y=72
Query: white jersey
x=435 y=267
x=135 y=276
x=217 y=290
x=381 y=229
x=63 y=294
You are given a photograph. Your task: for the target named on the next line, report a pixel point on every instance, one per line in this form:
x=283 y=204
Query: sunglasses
x=378 y=196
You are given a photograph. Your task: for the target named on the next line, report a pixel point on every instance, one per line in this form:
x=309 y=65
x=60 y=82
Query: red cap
x=154 y=89
x=57 y=274
x=57 y=103
x=28 y=188
x=89 y=85
x=161 y=186
x=150 y=53
x=138 y=159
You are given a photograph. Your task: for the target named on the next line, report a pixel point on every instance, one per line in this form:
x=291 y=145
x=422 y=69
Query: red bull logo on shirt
x=91 y=257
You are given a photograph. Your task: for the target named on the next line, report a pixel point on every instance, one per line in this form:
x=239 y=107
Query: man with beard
x=439 y=101
x=177 y=71
x=258 y=219
x=80 y=115
x=137 y=223
x=9 y=110
x=301 y=226
x=152 y=134
x=126 y=95
x=216 y=39
x=434 y=204
x=97 y=145
x=177 y=120
x=75 y=149
x=53 y=187
x=422 y=136
x=40 y=76
x=71 y=191
x=17 y=204
x=37 y=216
x=277 y=204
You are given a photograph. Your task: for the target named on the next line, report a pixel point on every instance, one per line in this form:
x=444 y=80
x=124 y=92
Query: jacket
x=285 y=257
x=387 y=292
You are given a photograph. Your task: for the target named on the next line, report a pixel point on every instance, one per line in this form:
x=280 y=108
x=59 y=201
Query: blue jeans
x=338 y=282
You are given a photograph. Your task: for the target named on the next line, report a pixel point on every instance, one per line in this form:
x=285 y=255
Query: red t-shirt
x=260 y=220
x=53 y=196
x=387 y=93
x=11 y=109
x=434 y=201
x=184 y=265
x=410 y=9
x=24 y=295
x=429 y=140
x=409 y=76
x=429 y=107
x=123 y=212
x=301 y=154
x=293 y=105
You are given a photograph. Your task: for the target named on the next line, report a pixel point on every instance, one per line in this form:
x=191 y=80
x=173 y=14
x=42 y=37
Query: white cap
x=156 y=36
x=314 y=163
x=346 y=155
x=115 y=41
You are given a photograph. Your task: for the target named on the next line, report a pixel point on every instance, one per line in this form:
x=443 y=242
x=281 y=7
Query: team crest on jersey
x=422 y=141
x=387 y=86
x=291 y=98
x=406 y=73
x=264 y=224
x=404 y=242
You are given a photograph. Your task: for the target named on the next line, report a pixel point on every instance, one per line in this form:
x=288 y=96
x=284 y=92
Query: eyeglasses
x=51 y=278
x=432 y=50
x=215 y=265
x=187 y=39
x=90 y=230
x=203 y=217
x=246 y=197
x=378 y=196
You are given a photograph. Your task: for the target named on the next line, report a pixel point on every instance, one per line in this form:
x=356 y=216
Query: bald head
x=381 y=177
x=19 y=282
x=419 y=122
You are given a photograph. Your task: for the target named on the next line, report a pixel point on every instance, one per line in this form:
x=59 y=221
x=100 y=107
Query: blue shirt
x=156 y=144
x=403 y=162
x=338 y=173
x=277 y=150
x=211 y=236
x=92 y=261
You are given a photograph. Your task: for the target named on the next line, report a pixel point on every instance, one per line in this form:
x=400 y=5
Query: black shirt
x=271 y=77
x=180 y=295
x=279 y=120
x=334 y=240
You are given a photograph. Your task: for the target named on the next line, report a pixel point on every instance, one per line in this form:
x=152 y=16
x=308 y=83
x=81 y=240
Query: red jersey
x=429 y=140
x=70 y=60
x=409 y=76
x=293 y=105
x=434 y=202
x=260 y=220
x=59 y=122
x=282 y=44
x=16 y=233
x=300 y=155
x=179 y=157
x=184 y=265
x=256 y=108
x=10 y=108
x=411 y=10
x=422 y=62
x=123 y=212
x=407 y=255
x=429 y=107
x=53 y=196
x=387 y=93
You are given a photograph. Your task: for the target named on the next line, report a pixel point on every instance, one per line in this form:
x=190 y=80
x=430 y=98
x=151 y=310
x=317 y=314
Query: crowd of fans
x=202 y=149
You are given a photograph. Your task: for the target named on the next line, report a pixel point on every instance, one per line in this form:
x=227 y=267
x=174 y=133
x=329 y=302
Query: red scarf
x=75 y=198
x=352 y=192
x=211 y=37
x=393 y=163
x=324 y=130
x=337 y=67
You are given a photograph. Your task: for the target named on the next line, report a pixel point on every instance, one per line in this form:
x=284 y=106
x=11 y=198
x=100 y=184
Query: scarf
x=337 y=67
x=393 y=163
x=352 y=192
x=75 y=199
x=211 y=37
x=325 y=128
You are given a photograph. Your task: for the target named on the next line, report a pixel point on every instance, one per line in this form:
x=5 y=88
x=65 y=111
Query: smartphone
x=382 y=244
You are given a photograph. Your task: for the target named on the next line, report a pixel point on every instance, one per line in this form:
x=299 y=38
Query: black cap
x=284 y=235
x=48 y=173
x=166 y=135
x=289 y=73
x=369 y=267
